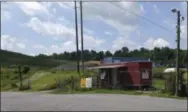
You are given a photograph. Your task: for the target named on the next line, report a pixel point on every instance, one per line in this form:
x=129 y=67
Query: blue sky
x=48 y=27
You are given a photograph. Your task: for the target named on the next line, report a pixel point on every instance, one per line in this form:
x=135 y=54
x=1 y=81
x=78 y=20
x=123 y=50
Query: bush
x=26 y=69
x=24 y=87
x=16 y=71
x=49 y=87
x=13 y=85
x=7 y=76
x=14 y=77
x=158 y=75
x=170 y=82
x=53 y=72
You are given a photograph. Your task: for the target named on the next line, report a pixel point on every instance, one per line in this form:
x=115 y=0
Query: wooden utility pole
x=178 y=49
x=20 y=75
x=76 y=29
x=82 y=41
x=178 y=79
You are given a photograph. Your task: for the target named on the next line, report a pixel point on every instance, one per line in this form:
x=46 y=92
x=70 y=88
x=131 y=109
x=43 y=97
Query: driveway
x=17 y=101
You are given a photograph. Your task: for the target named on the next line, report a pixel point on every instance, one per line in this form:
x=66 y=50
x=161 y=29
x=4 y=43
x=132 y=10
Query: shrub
x=7 y=76
x=170 y=82
x=14 y=77
x=13 y=85
x=24 y=87
x=16 y=71
x=158 y=75
x=53 y=72
x=49 y=87
x=26 y=69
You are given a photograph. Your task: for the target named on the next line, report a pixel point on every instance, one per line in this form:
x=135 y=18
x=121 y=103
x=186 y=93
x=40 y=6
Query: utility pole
x=20 y=75
x=178 y=48
x=76 y=29
x=178 y=79
x=82 y=41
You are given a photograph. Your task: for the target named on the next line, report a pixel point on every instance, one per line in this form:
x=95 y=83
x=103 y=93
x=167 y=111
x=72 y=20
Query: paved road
x=16 y=101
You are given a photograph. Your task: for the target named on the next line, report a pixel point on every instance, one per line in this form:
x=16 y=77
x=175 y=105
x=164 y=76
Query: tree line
x=164 y=55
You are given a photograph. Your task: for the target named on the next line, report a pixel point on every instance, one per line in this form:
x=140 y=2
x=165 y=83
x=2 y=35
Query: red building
x=125 y=74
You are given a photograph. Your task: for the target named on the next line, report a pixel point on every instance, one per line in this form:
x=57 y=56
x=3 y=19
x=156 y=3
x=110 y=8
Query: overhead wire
x=142 y=17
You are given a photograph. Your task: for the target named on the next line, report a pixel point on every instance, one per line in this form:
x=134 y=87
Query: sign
x=88 y=82
x=83 y=83
x=145 y=74
x=102 y=76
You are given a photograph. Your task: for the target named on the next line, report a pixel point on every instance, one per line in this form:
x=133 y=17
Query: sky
x=49 y=27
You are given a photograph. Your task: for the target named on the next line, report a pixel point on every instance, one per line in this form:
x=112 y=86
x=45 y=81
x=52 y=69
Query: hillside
x=12 y=58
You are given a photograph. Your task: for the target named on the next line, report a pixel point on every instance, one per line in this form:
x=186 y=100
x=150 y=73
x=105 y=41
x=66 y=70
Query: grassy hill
x=12 y=58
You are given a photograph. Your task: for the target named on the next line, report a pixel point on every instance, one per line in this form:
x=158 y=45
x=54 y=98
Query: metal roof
x=107 y=66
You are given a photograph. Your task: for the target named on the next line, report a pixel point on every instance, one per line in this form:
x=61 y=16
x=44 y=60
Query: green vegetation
x=48 y=79
x=12 y=59
x=185 y=75
x=158 y=83
x=42 y=76
x=165 y=56
x=116 y=91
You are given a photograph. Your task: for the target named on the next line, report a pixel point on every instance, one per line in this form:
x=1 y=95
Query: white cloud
x=66 y=4
x=33 y=8
x=50 y=29
x=156 y=9
x=108 y=33
x=60 y=31
x=5 y=13
x=39 y=46
x=7 y=42
x=112 y=15
x=54 y=10
x=88 y=31
x=184 y=31
x=184 y=23
x=184 y=6
x=48 y=50
x=172 y=24
x=151 y=43
x=109 y=12
x=21 y=45
x=121 y=42
x=142 y=8
x=11 y=43
x=92 y=43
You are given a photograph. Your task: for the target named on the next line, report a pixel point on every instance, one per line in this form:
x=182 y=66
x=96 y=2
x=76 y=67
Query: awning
x=106 y=66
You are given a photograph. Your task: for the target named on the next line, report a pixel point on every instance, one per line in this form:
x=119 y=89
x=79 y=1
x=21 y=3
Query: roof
x=126 y=58
x=114 y=65
x=107 y=66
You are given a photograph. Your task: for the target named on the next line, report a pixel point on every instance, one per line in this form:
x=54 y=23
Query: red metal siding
x=133 y=74
x=146 y=66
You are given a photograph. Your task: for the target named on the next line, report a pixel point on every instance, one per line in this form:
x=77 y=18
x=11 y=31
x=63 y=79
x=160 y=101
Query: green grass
x=158 y=83
x=45 y=79
x=95 y=91
x=116 y=91
x=158 y=69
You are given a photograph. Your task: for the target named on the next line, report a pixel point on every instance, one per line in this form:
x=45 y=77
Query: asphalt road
x=16 y=101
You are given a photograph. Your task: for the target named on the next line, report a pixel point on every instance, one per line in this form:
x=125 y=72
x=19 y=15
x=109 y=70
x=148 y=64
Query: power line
x=146 y=19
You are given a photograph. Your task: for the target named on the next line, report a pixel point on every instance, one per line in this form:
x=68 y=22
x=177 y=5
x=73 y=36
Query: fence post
x=72 y=83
